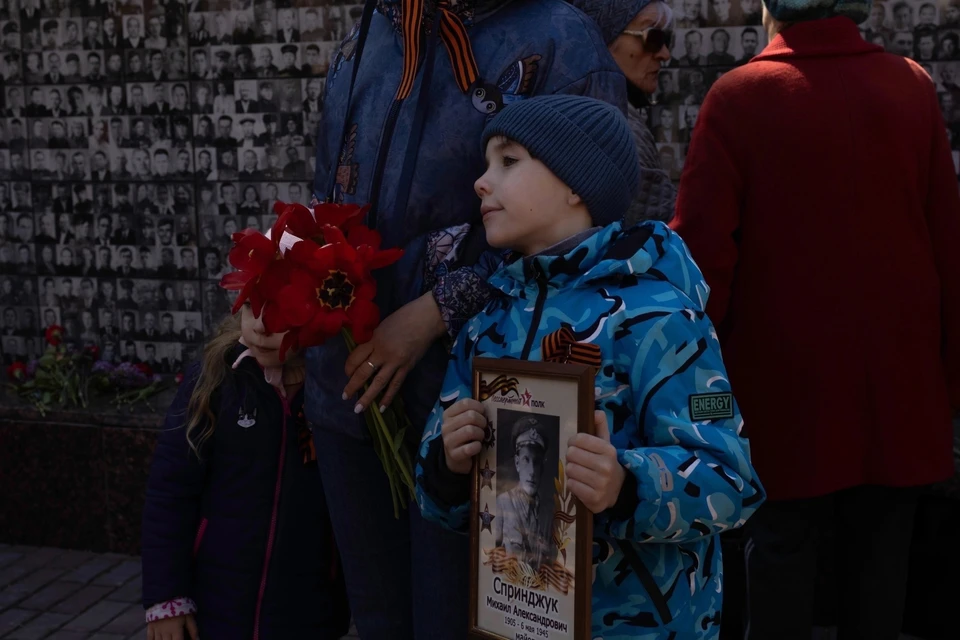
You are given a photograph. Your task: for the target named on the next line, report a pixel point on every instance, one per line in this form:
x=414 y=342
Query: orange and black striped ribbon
x=412 y=32
x=561 y=346
x=454 y=37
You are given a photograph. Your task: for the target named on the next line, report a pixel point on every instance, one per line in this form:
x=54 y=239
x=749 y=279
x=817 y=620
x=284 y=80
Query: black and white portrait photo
x=527 y=463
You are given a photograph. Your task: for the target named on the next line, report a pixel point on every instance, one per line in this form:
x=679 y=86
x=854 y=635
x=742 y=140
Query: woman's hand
x=594 y=474
x=464 y=424
x=172 y=629
x=397 y=346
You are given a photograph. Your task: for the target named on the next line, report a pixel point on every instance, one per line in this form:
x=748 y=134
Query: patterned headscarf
x=805 y=10
x=612 y=16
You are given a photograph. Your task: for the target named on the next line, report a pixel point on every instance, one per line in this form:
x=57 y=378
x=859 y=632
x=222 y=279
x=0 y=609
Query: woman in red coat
x=820 y=200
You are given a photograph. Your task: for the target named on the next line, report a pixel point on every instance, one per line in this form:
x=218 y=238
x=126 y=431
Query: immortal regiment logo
x=525 y=399
x=504 y=390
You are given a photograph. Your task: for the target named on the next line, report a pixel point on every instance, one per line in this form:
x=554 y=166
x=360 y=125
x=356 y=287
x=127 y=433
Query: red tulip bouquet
x=312 y=278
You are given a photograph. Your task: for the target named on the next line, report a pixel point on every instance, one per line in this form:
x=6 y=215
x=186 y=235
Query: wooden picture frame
x=524 y=581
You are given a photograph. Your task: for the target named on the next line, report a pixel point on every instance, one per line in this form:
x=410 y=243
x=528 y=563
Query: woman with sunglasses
x=638 y=35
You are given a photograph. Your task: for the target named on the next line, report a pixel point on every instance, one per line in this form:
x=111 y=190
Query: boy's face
x=525 y=206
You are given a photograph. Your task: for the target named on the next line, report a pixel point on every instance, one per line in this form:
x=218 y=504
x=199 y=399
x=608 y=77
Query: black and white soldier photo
x=527 y=455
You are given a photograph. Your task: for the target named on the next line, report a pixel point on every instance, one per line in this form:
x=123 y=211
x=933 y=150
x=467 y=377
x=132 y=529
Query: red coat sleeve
x=943 y=222
x=708 y=202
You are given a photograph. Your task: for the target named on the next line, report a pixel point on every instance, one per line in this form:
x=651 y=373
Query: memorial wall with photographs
x=137 y=135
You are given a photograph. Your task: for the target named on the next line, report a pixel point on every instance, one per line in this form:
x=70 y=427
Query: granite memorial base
x=75 y=479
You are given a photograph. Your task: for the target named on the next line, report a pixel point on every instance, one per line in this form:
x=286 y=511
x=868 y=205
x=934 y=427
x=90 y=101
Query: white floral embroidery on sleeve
x=171 y=609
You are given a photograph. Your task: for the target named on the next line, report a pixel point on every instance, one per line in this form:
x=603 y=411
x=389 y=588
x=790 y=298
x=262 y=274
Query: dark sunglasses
x=654 y=39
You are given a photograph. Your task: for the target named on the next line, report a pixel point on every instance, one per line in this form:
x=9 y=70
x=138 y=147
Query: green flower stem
x=388 y=431
x=379 y=445
x=397 y=450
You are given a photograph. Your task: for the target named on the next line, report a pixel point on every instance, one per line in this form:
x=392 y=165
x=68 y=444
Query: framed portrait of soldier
x=530 y=564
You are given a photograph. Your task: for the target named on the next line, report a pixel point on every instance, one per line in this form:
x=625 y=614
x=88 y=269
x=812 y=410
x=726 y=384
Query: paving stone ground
x=56 y=594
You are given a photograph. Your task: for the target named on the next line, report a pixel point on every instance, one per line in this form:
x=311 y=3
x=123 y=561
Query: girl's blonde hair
x=213 y=371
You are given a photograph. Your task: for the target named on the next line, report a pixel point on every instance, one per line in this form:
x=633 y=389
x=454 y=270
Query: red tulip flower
x=329 y=290
x=178 y=378
x=93 y=351
x=321 y=284
x=341 y=216
x=54 y=335
x=17 y=371
x=145 y=369
x=300 y=221
x=259 y=270
x=367 y=243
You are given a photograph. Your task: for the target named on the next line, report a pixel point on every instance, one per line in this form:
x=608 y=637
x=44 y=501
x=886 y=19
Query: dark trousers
x=407 y=579
x=870 y=529
x=933 y=592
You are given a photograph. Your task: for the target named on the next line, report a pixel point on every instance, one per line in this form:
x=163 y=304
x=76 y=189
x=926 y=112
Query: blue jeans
x=407 y=579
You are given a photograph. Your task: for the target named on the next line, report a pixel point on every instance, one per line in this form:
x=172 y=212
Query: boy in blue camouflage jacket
x=672 y=470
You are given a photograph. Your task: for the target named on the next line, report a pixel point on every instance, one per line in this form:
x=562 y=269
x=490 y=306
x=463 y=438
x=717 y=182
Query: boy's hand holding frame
x=462 y=430
x=594 y=474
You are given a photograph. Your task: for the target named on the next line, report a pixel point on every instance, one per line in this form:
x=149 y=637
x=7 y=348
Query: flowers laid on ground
x=313 y=279
x=67 y=376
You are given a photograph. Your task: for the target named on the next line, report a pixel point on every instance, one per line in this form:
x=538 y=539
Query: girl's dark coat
x=243 y=531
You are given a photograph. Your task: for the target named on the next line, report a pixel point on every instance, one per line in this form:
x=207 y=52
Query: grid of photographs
x=714 y=36
x=929 y=33
x=711 y=38
x=135 y=137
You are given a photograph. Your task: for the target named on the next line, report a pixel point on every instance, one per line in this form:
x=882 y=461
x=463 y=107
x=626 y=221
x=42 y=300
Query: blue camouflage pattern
x=638 y=295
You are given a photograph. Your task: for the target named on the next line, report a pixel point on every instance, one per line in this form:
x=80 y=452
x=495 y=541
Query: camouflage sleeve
x=443 y=496
x=693 y=476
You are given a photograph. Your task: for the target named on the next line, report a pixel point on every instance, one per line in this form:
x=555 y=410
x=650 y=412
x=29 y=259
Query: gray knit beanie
x=585 y=142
